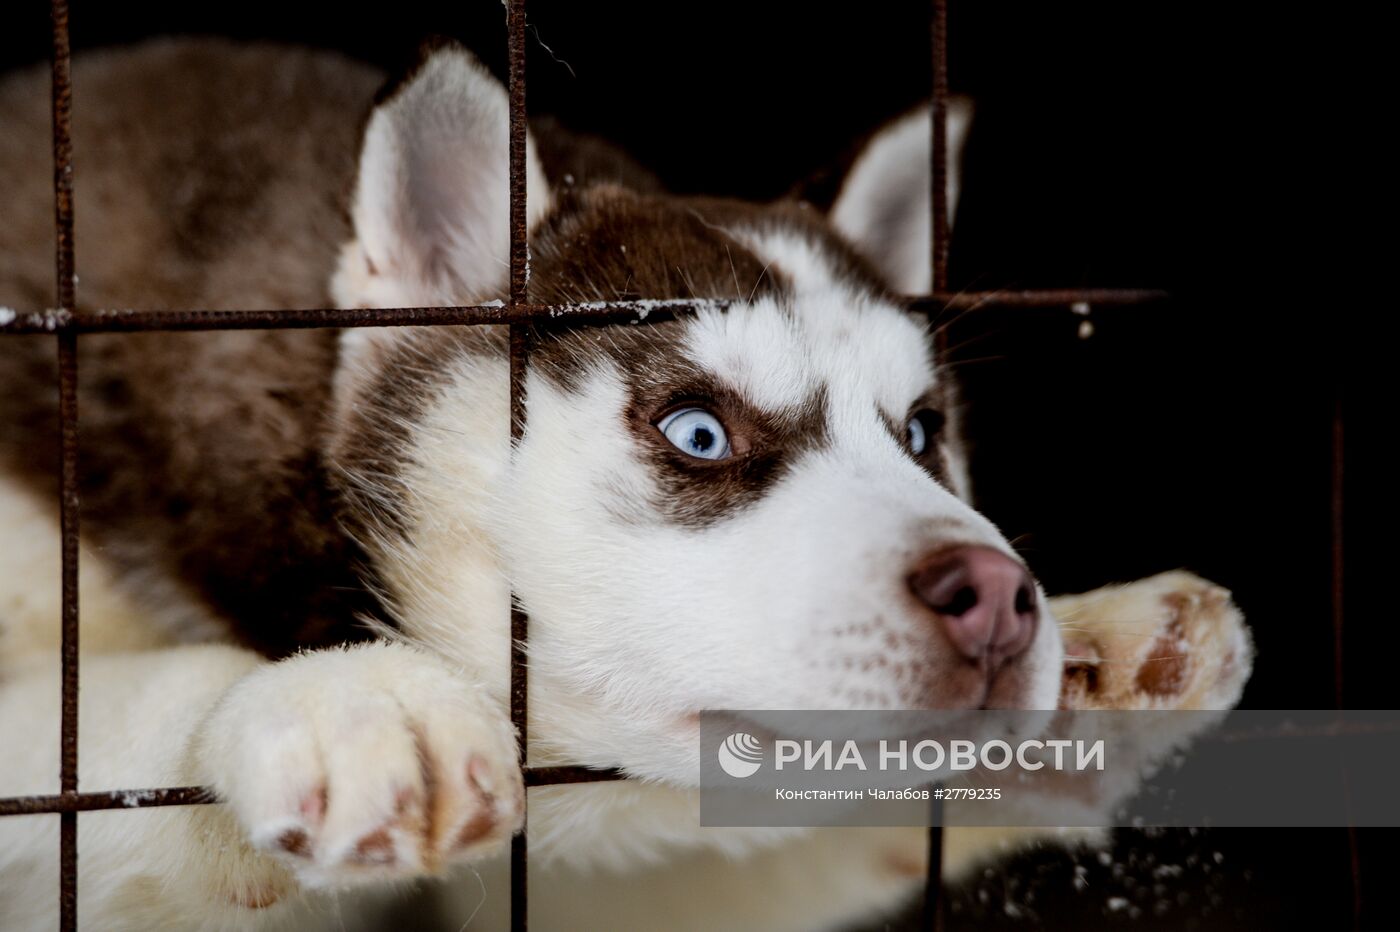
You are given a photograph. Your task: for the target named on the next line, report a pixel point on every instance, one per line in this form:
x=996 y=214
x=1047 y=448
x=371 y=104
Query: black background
x=1128 y=144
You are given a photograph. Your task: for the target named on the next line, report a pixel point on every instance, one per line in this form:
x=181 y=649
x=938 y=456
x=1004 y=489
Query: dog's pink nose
x=984 y=600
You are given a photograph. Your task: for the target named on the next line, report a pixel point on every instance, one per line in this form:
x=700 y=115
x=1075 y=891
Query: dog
x=299 y=546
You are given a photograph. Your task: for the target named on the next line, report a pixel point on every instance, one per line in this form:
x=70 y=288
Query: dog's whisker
x=480 y=903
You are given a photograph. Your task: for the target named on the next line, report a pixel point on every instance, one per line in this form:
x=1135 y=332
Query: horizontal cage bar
x=549 y=776
x=600 y=313
x=198 y=795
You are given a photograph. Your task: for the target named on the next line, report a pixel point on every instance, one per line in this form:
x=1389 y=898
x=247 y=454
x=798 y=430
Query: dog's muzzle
x=982 y=601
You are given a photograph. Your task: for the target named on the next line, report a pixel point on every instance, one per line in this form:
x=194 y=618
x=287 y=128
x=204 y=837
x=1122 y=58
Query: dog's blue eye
x=918 y=440
x=923 y=427
x=696 y=432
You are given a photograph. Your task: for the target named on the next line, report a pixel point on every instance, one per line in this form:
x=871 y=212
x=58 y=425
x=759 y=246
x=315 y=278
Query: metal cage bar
x=66 y=323
x=65 y=295
x=134 y=321
x=938 y=261
x=519 y=361
x=1338 y=572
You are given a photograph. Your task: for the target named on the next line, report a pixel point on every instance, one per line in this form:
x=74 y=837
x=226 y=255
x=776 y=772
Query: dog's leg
x=337 y=769
x=1172 y=641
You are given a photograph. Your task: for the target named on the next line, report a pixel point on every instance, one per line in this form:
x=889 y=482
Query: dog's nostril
x=962 y=602
x=982 y=600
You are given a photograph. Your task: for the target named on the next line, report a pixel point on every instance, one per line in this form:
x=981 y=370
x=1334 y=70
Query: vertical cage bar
x=68 y=527
x=519 y=359
x=939 y=168
x=1338 y=615
x=1338 y=604
x=65 y=297
x=933 y=880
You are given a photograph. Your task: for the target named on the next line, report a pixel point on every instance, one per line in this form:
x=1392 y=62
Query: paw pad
x=1164 y=669
x=362 y=765
x=375 y=850
x=1171 y=641
x=296 y=842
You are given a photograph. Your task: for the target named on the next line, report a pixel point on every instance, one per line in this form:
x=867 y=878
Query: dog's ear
x=431 y=207
x=885 y=204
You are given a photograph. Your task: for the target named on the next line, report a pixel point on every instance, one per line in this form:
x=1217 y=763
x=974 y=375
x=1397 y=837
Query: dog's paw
x=363 y=764
x=1172 y=641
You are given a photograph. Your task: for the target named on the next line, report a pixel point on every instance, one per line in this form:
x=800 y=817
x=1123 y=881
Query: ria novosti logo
x=741 y=755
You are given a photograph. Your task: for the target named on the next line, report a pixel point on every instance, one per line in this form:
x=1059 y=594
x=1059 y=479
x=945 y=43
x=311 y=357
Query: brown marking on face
x=933 y=406
x=605 y=243
x=692 y=492
x=372 y=446
x=696 y=493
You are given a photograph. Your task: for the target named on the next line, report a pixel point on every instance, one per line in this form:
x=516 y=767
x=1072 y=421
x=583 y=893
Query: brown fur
x=214 y=175
x=203 y=456
x=188 y=473
x=370 y=443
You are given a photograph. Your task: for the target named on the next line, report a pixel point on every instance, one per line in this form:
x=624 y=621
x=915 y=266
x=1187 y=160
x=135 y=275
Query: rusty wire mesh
x=66 y=323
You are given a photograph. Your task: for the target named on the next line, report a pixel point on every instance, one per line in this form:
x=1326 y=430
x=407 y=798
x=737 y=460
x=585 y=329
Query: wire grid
x=518 y=314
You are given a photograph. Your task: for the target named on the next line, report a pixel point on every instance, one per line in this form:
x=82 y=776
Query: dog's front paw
x=363 y=764
x=1172 y=641
x=1173 y=647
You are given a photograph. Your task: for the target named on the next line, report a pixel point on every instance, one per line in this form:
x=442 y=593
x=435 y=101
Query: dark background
x=1128 y=144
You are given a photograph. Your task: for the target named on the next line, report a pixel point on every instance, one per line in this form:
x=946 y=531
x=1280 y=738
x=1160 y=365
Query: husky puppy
x=298 y=545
